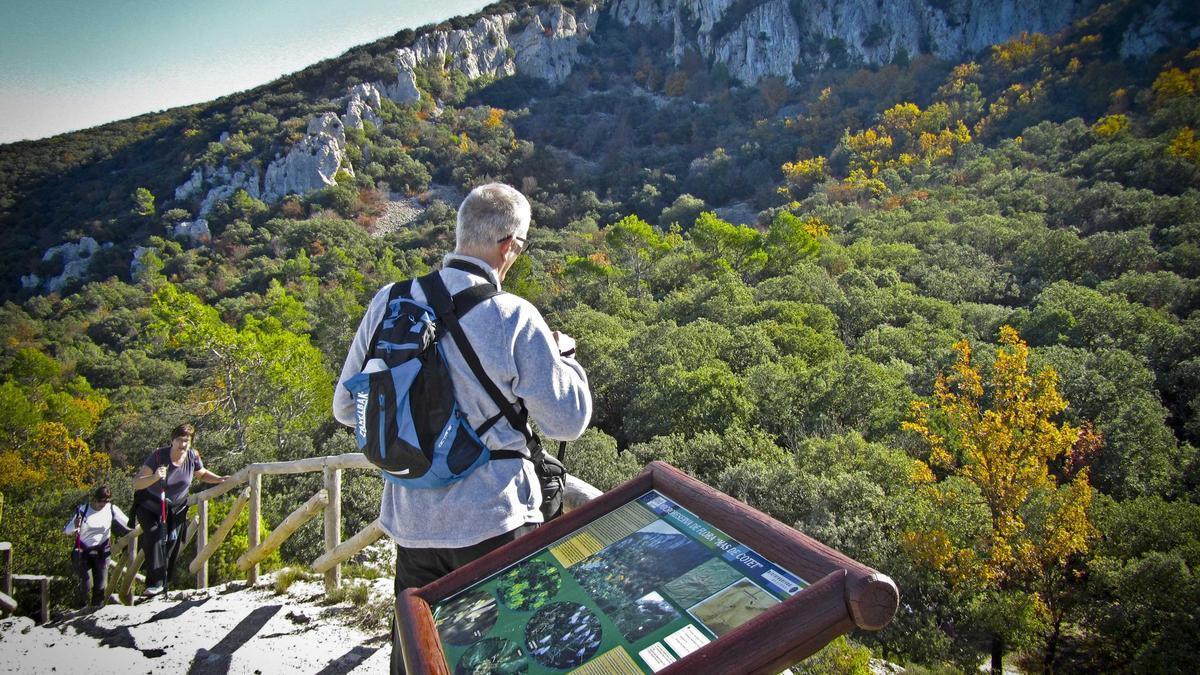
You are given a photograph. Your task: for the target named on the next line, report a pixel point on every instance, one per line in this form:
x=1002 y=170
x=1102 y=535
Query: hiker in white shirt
x=93 y=525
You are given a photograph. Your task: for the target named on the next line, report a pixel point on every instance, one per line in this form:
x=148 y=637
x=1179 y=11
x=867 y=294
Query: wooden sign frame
x=843 y=594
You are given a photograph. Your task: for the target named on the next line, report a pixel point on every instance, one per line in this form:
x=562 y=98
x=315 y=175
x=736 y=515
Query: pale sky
x=73 y=64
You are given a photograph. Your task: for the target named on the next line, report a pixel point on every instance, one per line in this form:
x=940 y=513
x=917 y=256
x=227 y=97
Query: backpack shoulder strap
x=399 y=289
x=80 y=511
x=445 y=304
x=466 y=300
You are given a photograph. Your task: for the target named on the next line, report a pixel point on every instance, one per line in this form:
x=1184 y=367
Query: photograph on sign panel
x=638 y=564
x=733 y=607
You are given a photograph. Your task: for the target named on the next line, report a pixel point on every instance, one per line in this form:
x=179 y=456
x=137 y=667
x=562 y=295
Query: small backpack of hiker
x=408 y=422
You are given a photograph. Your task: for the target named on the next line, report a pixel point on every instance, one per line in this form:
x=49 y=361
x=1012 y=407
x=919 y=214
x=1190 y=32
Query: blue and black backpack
x=408 y=421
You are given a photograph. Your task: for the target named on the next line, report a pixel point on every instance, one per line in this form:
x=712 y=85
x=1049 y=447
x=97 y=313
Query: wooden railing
x=8 y=604
x=127 y=559
x=327 y=500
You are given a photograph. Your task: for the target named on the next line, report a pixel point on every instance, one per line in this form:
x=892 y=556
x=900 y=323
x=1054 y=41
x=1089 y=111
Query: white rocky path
x=225 y=629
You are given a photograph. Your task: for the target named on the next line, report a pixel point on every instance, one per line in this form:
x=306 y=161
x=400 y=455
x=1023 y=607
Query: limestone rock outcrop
x=766 y=43
x=226 y=182
x=196 y=231
x=362 y=104
x=539 y=42
x=404 y=89
x=1156 y=28
x=191 y=186
x=548 y=47
x=311 y=164
x=75 y=256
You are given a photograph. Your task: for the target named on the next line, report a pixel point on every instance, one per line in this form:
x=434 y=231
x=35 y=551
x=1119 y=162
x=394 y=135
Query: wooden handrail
x=127 y=557
x=352 y=460
x=341 y=553
x=576 y=493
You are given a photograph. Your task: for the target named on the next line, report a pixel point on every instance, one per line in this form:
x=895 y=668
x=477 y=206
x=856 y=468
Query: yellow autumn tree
x=1110 y=125
x=802 y=174
x=1174 y=83
x=1185 y=146
x=1019 y=51
x=867 y=149
x=1001 y=520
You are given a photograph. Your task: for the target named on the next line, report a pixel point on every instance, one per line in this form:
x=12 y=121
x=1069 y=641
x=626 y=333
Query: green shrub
x=290 y=575
x=840 y=657
x=355 y=594
x=357 y=571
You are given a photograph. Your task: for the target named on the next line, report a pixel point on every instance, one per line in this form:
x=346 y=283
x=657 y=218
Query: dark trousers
x=161 y=545
x=92 y=569
x=416 y=567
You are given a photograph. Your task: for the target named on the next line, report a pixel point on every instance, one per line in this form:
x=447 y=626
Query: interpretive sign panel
x=660 y=573
x=633 y=591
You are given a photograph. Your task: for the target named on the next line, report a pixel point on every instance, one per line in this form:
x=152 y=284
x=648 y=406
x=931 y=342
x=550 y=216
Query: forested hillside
x=939 y=314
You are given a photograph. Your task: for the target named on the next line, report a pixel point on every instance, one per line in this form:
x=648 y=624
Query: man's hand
x=566 y=343
x=162 y=472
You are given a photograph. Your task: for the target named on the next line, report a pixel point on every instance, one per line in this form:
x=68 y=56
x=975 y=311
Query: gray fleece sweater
x=518 y=351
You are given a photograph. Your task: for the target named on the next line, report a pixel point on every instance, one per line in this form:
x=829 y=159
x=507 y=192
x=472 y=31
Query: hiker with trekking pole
x=93 y=525
x=160 y=503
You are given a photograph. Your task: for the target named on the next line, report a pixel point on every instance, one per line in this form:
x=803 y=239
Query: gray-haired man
x=438 y=530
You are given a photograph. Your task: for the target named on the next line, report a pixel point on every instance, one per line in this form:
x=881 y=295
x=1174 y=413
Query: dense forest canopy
x=939 y=315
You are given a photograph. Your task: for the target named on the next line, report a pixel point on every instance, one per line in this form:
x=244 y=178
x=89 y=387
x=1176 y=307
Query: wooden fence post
x=333 y=524
x=6 y=563
x=7 y=604
x=44 y=597
x=253 y=533
x=201 y=541
x=133 y=560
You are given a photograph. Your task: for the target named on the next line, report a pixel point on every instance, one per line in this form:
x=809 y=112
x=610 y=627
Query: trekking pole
x=163 y=537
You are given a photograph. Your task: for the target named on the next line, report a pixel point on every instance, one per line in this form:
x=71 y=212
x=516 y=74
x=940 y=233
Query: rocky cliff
x=752 y=39
x=542 y=43
x=761 y=38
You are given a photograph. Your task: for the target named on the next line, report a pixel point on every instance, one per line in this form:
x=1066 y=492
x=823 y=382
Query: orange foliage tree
x=1001 y=521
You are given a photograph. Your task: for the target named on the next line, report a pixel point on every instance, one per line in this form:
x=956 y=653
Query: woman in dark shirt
x=162 y=486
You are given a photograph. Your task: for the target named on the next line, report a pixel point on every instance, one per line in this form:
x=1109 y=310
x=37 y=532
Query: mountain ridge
x=752 y=39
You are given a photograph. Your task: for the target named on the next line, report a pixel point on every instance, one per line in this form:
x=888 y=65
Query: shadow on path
x=348 y=661
x=112 y=637
x=218 y=659
x=176 y=610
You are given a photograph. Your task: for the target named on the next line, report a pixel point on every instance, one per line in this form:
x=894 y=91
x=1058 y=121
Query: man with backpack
x=464 y=484
x=93 y=525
